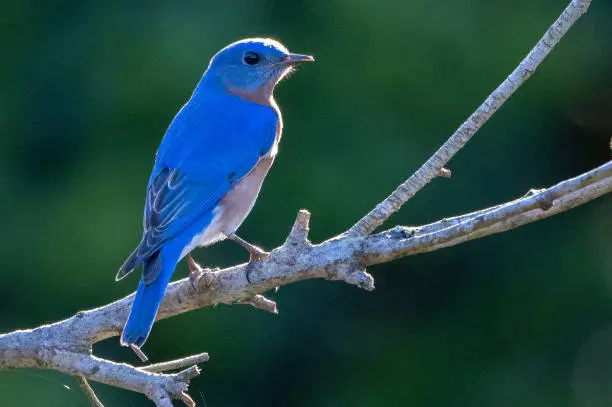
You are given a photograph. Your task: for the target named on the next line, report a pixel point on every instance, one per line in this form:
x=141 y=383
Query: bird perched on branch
x=209 y=169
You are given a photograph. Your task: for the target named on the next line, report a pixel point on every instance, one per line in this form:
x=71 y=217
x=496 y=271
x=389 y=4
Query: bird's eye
x=250 y=58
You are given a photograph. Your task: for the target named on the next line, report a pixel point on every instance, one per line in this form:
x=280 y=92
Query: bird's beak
x=292 y=59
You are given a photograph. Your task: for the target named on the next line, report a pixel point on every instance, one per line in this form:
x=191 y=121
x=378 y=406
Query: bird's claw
x=257 y=254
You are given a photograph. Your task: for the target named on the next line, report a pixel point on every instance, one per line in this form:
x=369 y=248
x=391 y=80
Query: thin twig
x=89 y=392
x=464 y=133
x=177 y=364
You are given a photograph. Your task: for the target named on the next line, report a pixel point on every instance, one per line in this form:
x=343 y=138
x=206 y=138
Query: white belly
x=233 y=208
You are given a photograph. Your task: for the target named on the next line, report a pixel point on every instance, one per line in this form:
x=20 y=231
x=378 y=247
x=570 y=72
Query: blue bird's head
x=251 y=68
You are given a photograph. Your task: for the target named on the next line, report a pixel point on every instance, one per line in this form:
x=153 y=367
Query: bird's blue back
x=215 y=134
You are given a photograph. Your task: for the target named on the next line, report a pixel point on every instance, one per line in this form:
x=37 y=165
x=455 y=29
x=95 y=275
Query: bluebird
x=208 y=169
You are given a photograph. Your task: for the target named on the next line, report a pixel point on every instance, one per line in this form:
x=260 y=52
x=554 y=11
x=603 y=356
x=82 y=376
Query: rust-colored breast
x=236 y=205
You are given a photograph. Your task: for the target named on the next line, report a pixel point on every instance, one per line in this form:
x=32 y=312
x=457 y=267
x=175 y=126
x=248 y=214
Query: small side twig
x=261 y=302
x=445 y=173
x=177 y=364
x=301 y=228
x=89 y=392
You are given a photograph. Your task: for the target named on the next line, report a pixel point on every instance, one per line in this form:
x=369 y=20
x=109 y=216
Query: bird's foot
x=257 y=254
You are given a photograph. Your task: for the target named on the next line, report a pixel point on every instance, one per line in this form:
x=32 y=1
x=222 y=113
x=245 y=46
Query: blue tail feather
x=148 y=299
x=158 y=270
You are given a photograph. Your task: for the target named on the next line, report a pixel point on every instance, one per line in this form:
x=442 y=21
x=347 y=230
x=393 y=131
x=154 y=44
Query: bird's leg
x=195 y=271
x=255 y=252
x=139 y=353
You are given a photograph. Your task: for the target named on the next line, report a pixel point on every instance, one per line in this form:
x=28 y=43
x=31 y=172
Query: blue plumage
x=208 y=169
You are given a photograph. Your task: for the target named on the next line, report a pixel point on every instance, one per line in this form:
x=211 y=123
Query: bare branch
x=65 y=345
x=600 y=185
x=158 y=387
x=340 y=258
x=89 y=392
x=464 y=133
x=530 y=208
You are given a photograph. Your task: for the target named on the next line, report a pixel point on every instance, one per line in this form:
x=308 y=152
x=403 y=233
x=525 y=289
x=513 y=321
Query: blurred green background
x=522 y=318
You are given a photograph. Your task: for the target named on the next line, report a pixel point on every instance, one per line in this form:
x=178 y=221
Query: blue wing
x=207 y=148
